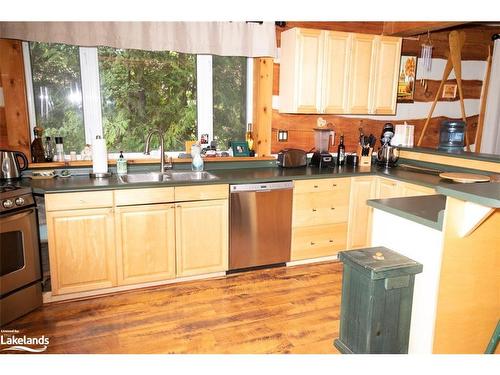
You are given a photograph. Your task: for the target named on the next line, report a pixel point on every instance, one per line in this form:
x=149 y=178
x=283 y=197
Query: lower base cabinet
x=360 y=214
x=202 y=236
x=145 y=243
x=82 y=250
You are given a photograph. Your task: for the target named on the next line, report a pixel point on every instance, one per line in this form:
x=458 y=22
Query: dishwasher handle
x=263 y=187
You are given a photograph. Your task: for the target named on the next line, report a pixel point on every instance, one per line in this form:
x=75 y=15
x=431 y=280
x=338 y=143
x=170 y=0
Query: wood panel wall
x=301 y=135
x=14 y=124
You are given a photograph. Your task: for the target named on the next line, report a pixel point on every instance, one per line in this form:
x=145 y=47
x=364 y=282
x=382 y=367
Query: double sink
x=167 y=176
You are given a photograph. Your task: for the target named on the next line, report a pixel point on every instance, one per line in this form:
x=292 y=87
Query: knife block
x=364 y=161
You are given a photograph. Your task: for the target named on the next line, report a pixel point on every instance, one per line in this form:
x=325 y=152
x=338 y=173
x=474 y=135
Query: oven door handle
x=16 y=215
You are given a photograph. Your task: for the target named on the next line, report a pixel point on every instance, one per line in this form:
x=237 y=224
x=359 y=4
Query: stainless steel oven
x=20 y=269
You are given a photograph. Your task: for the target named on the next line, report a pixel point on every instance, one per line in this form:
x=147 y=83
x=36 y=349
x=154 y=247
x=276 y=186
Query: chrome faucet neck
x=163 y=162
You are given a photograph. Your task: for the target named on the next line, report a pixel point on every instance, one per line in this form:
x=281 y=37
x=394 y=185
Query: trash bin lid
x=381 y=262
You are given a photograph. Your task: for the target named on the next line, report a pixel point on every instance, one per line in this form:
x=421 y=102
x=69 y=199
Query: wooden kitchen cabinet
x=361 y=74
x=301 y=70
x=202 y=237
x=360 y=214
x=340 y=73
x=145 y=243
x=412 y=190
x=387 y=188
x=386 y=75
x=319 y=217
x=336 y=72
x=81 y=249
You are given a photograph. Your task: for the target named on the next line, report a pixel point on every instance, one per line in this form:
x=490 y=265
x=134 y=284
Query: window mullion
x=204 y=95
x=91 y=94
x=249 y=89
x=29 y=87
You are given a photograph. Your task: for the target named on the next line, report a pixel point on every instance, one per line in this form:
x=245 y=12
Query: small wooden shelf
x=88 y=163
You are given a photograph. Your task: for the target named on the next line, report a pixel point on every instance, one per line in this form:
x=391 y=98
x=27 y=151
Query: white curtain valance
x=214 y=38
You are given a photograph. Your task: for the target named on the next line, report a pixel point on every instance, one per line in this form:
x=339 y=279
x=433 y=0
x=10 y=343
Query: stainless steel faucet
x=164 y=164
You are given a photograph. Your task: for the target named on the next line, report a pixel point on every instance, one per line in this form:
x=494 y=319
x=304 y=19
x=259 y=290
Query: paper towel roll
x=99 y=156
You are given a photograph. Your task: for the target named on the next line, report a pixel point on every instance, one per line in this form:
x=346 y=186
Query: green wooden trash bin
x=377 y=293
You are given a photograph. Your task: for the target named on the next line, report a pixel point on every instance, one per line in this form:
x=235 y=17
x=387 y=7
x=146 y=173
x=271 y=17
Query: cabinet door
x=360 y=214
x=201 y=237
x=388 y=189
x=336 y=72
x=300 y=70
x=361 y=73
x=81 y=250
x=412 y=190
x=145 y=243
x=386 y=75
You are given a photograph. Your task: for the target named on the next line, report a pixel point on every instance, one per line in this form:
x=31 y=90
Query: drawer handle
x=330 y=241
x=334 y=185
x=315 y=186
x=314 y=210
x=332 y=208
x=313 y=243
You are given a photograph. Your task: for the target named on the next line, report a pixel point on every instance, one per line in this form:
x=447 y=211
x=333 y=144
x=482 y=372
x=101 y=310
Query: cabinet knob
x=315 y=186
x=314 y=210
x=330 y=241
x=313 y=243
x=332 y=208
x=334 y=185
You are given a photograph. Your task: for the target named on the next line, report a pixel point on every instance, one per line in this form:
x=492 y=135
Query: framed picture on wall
x=407 y=76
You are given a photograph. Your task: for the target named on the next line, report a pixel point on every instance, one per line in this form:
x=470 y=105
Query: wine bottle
x=341 y=152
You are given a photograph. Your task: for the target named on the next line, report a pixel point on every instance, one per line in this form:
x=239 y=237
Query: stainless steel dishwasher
x=260 y=224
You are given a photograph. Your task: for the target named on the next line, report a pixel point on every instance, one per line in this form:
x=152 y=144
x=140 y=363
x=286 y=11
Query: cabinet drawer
x=144 y=196
x=318 y=241
x=320 y=208
x=201 y=192
x=71 y=201
x=326 y=184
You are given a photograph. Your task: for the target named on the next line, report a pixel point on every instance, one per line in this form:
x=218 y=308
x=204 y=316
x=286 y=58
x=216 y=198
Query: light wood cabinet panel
x=318 y=241
x=388 y=53
x=336 y=72
x=80 y=200
x=145 y=243
x=201 y=192
x=128 y=197
x=201 y=237
x=300 y=70
x=412 y=190
x=388 y=189
x=361 y=73
x=320 y=185
x=360 y=214
x=320 y=208
x=81 y=250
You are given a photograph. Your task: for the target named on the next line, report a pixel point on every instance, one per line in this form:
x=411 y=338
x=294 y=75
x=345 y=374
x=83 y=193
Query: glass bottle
x=197 y=162
x=249 y=139
x=341 y=152
x=49 y=149
x=59 y=149
x=37 y=151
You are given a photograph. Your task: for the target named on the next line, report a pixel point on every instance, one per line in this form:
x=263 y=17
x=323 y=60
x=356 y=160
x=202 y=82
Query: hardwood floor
x=279 y=310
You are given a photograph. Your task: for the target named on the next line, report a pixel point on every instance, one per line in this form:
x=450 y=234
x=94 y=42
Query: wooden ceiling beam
x=415 y=28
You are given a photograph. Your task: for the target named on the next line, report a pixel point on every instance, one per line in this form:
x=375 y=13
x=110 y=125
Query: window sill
x=88 y=163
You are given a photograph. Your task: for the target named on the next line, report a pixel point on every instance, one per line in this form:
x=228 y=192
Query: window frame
x=91 y=97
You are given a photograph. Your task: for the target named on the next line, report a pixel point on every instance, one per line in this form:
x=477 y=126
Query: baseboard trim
x=313 y=260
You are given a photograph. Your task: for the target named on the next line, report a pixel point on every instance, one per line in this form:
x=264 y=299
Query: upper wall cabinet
x=336 y=72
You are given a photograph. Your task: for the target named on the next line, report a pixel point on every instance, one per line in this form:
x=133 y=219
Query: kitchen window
x=81 y=92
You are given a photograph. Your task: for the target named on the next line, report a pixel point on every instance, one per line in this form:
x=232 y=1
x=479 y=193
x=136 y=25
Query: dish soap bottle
x=197 y=162
x=249 y=139
x=121 y=164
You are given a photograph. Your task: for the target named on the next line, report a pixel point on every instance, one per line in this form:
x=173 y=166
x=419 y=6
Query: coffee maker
x=321 y=157
x=387 y=155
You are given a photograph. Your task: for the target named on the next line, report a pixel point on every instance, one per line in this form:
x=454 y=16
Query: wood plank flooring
x=278 y=310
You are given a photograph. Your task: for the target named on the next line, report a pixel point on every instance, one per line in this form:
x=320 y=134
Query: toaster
x=291 y=158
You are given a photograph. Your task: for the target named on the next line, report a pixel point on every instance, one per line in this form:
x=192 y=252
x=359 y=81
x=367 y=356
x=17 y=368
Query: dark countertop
x=463 y=155
x=427 y=210
x=487 y=194
x=484 y=193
